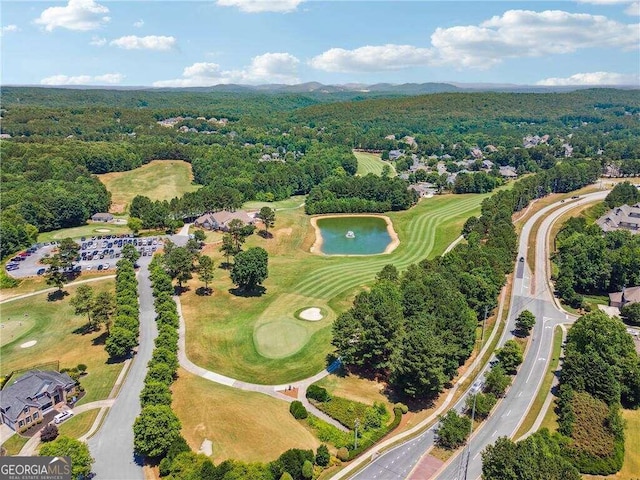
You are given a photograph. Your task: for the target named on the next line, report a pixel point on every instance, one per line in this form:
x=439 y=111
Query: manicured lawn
x=372 y=163
x=15 y=444
x=89 y=230
x=51 y=324
x=158 y=180
x=242 y=425
x=79 y=424
x=258 y=339
x=355 y=388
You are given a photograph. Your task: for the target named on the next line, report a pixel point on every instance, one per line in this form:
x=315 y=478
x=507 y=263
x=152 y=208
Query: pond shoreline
x=316 y=248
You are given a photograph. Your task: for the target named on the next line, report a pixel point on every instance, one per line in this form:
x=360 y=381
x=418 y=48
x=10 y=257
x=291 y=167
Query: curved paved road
x=506 y=418
x=112 y=446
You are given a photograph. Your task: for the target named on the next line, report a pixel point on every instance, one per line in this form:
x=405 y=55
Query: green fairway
x=51 y=326
x=372 y=163
x=260 y=339
x=89 y=230
x=158 y=180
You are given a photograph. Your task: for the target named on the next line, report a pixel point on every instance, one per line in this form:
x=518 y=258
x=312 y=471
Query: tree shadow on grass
x=100 y=339
x=256 y=292
x=177 y=290
x=84 y=329
x=225 y=265
x=265 y=234
x=56 y=295
x=204 y=292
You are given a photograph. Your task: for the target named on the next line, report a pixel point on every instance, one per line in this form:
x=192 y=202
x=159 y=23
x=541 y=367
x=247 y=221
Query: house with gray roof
x=626 y=296
x=220 y=220
x=27 y=400
x=102 y=217
x=624 y=217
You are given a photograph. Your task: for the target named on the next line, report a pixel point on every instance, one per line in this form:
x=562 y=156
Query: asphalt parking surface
x=96 y=251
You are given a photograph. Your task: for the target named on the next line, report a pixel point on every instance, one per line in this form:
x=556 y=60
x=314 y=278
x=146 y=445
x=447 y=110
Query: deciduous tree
x=250 y=268
x=68 y=447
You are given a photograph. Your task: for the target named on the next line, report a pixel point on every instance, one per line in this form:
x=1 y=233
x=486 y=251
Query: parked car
x=41 y=271
x=61 y=417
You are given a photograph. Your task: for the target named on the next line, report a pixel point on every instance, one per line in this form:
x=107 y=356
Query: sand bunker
x=312 y=314
x=28 y=344
x=103 y=230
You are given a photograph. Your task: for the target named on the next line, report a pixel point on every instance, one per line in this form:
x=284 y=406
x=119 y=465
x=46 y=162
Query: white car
x=61 y=417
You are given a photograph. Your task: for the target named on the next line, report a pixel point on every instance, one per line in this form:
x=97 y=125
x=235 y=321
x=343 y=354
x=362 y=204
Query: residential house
x=27 y=400
x=102 y=217
x=220 y=220
x=626 y=296
x=623 y=217
x=507 y=171
x=424 y=189
x=395 y=154
x=488 y=164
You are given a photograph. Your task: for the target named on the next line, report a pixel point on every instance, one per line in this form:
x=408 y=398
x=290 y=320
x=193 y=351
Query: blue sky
x=167 y=43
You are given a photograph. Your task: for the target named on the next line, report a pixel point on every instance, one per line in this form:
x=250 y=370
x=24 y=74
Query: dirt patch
x=293 y=392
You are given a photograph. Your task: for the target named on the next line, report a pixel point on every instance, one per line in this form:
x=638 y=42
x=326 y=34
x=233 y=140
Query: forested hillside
x=247 y=145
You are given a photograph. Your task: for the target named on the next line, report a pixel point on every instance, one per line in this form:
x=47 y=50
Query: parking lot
x=96 y=253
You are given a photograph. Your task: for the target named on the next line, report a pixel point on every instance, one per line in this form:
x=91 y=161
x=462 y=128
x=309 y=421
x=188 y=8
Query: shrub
x=82 y=367
x=298 y=410
x=343 y=454
x=307 y=470
x=453 y=430
x=403 y=408
x=49 y=433
x=155 y=393
x=345 y=411
x=160 y=372
x=322 y=456
x=317 y=393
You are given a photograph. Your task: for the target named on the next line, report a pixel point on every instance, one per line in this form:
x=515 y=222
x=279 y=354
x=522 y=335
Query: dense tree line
x=591 y=261
x=360 y=194
x=624 y=193
x=123 y=335
x=479 y=182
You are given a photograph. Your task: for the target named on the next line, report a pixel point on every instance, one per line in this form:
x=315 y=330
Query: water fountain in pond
x=350 y=234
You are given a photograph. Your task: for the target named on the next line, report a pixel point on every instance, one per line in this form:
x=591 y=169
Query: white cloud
x=81 y=15
x=524 y=33
x=139 y=23
x=98 y=41
x=633 y=9
x=259 y=6
x=107 y=78
x=594 y=78
x=151 y=42
x=267 y=68
x=372 y=58
x=515 y=34
x=9 y=29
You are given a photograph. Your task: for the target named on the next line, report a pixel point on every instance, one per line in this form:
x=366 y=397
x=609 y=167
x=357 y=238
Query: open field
x=158 y=180
x=238 y=336
x=242 y=425
x=89 y=230
x=51 y=324
x=372 y=163
x=35 y=284
x=355 y=388
x=79 y=424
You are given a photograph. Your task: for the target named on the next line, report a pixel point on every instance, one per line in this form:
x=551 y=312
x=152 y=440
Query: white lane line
x=494 y=433
x=477 y=455
x=508 y=413
x=520 y=394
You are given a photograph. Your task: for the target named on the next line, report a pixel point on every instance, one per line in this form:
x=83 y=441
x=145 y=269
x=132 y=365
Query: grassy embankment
x=158 y=180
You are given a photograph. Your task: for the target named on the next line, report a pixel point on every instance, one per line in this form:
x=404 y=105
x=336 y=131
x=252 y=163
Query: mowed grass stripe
x=348 y=276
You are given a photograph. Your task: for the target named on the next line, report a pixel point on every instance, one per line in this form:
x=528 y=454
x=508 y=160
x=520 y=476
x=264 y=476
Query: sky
x=203 y=43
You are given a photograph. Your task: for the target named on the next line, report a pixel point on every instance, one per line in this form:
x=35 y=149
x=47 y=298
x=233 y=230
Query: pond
x=353 y=235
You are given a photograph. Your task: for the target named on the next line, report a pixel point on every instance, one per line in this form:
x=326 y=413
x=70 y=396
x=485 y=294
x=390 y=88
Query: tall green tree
x=82 y=301
x=250 y=268
x=134 y=224
x=120 y=342
x=102 y=309
x=205 y=270
x=155 y=429
x=81 y=459
x=268 y=217
x=525 y=322
x=179 y=264
x=130 y=253
x=453 y=430
x=510 y=356
x=228 y=248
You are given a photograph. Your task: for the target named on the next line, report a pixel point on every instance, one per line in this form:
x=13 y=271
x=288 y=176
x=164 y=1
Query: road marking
x=520 y=394
x=477 y=454
x=541 y=358
x=508 y=413
x=548 y=326
x=494 y=433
